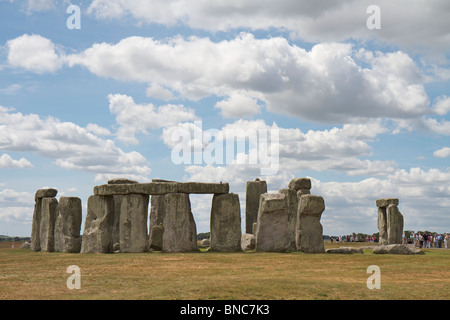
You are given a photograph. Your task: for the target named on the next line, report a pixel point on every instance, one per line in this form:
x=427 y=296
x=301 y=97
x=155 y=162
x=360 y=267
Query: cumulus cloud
x=71 y=146
x=6 y=161
x=34 y=53
x=317 y=85
x=410 y=25
x=442 y=153
x=136 y=118
x=342 y=150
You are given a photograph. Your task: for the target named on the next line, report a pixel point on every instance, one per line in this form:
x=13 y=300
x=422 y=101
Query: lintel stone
x=159 y=188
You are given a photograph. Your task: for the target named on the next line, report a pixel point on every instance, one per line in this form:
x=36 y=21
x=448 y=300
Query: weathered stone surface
x=309 y=231
x=205 y=243
x=47 y=226
x=68 y=225
x=396 y=249
x=160 y=188
x=157 y=212
x=253 y=193
x=345 y=250
x=180 y=231
x=133 y=223
x=45 y=193
x=385 y=202
x=390 y=221
x=302 y=192
x=156 y=237
x=98 y=226
x=121 y=181
x=311 y=205
x=382 y=226
x=202 y=188
x=300 y=183
x=272 y=225
x=225 y=223
x=292 y=202
x=36 y=226
x=394 y=224
x=248 y=242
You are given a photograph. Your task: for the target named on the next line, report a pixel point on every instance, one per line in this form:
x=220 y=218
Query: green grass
x=220 y=276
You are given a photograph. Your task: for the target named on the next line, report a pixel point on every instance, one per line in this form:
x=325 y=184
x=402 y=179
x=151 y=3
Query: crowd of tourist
x=429 y=240
x=418 y=239
x=352 y=238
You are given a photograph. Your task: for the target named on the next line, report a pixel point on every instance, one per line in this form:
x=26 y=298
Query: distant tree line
x=10 y=239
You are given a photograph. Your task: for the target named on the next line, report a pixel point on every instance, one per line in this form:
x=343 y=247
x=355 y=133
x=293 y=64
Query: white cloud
x=442 y=105
x=442 y=153
x=97 y=130
x=34 y=53
x=11 y=89
x=136 y=118
x=6 y=161
x=40 y=5
x=318 y=21
x=315 y=85
x=338 y=149
x=238 y=105
x=72 y=147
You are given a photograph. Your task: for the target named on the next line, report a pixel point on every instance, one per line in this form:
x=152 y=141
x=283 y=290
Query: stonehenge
x=390 y=221
x=68 y=225
x=130 y=217
x=44 y=218
x=254 y=191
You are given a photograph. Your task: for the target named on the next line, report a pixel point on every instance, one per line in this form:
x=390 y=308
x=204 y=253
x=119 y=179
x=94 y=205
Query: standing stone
x=115 y=232
x=37 y=216
x=155 y=237
x=272 y=225
x=292 y=203
x=254 y=191
x=133 y=223
x=180 y=231
x=382 y=226
x=68 y=225
x=394 y=224
x=36 y=226
x=157 y=212
x=309 y=231
x=303 y=184
x=98 y=226
x=47 y=226
x=390 y=221
x=225 y=224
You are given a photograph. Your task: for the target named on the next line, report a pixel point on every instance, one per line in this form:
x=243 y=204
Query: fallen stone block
x=344 y=250
x=396 y=249
x=248 y=242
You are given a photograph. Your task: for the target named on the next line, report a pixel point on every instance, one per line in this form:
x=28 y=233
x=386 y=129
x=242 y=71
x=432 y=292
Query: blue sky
x=365 y=113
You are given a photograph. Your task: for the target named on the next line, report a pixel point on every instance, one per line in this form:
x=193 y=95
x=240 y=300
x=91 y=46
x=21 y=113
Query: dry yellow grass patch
x=220 y=276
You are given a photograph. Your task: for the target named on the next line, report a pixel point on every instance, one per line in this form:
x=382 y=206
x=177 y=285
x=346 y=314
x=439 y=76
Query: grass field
x=223 y=276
